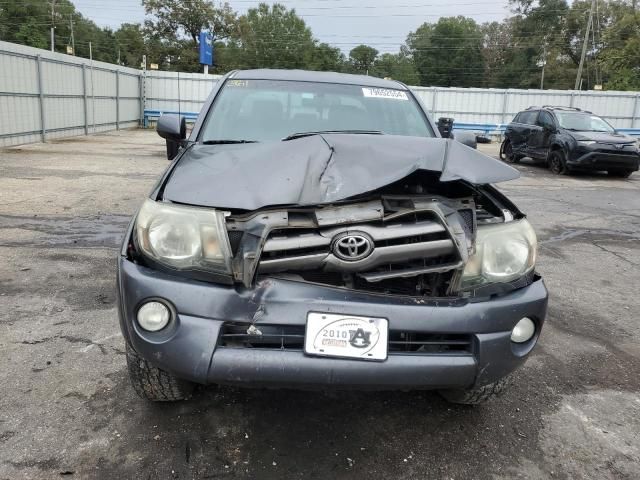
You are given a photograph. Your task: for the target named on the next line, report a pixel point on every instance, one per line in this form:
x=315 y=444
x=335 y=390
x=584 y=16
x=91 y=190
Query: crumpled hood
x=319 y=169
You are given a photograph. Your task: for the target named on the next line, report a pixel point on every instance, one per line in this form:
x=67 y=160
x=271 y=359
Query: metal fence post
x=141 y=80
x=571 y=99
x=634 y=114
x=505 y=96
x=434 y=103
x=84 y=98
x=41 y=97
x=117 y=99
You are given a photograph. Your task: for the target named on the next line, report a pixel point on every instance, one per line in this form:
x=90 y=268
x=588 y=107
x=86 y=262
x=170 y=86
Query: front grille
x=284 y=337
x=291 y=337
x=429 y=343
x=609 y=149
x=235 y=237
x=468 y=220
x=401 y=249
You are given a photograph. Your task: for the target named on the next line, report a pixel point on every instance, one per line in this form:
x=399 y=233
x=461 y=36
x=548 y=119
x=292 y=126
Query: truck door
x=518 y=131
x=540 y=137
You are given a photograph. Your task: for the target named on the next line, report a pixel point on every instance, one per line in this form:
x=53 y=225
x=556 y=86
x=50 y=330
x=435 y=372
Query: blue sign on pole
x=206 y=48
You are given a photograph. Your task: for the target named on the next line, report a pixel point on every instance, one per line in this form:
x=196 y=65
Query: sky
x=341 y=23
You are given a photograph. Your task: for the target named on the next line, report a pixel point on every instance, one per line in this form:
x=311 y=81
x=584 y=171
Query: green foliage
x=362 y=58
x=620 y=56
x=29 y=23
x=448 y=53
x=172 y=19
x=274 y=37
x=396 y=66
x=454 y=51
x=324 y=57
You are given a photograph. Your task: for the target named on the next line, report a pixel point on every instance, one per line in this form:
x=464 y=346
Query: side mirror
x=173 y=128
x=466 y=138
x=549 y=128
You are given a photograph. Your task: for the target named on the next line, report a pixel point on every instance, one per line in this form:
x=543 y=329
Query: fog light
x=523 y=330
x=153 y=316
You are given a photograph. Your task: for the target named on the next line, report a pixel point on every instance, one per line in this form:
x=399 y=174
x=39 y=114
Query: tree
x=29 y=23
x=396 y=66
x=130 y=43
x=324 y=57
x=176 y=18
x=173 y=28
x=620 y=55
x=362 y=57
x=448 y=53
x=454 y=51
x=538 y=30
x=274 y=37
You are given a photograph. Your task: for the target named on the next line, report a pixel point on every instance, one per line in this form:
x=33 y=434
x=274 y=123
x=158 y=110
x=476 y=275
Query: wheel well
x=555 y=148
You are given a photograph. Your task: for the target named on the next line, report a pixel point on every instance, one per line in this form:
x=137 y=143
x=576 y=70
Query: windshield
x=263 y=110
x=582 y=122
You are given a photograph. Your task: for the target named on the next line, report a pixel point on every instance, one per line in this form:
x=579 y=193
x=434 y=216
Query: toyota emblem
x=352 y=246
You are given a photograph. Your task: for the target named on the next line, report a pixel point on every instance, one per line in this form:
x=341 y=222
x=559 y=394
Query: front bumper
x=604 y=159
x=188 y=347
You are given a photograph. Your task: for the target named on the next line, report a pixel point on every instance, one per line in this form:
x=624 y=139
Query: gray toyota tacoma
x=314 y=231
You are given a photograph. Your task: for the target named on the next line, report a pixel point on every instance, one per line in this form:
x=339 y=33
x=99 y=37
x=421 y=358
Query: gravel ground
x=67 y=410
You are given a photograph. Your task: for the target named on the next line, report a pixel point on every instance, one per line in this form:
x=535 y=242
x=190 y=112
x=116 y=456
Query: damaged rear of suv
x=314 y=232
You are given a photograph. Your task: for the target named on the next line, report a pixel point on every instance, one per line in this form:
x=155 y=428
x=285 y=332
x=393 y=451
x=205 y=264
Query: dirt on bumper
x=189 y=346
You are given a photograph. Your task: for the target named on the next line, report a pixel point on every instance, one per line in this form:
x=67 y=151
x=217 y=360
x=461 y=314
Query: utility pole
x=53 y=25
x=584 y=46
x=73 y=40
x=542 y=64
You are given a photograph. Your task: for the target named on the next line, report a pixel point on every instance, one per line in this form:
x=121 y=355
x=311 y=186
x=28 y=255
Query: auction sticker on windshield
x=346 y=336
x=384 y=93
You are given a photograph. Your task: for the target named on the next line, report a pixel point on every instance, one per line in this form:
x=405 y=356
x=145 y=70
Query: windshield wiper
x=227 y=142
x=320 y=132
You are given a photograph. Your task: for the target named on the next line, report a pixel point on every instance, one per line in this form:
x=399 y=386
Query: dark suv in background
x=569 y=139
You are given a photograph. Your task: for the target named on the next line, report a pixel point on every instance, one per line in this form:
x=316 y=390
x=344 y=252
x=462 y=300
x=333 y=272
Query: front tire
x=557 y=162
x=507 y=154
x=154 y=384
x=620 y=173
x=476 y=396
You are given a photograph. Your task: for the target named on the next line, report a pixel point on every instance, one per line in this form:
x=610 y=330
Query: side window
x=528 y=117
x=545 y=120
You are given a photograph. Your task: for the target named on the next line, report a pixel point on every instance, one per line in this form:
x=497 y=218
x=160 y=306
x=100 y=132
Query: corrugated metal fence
x=490 y=109
x=485 y=110
x=176 y=92
x=46 y=95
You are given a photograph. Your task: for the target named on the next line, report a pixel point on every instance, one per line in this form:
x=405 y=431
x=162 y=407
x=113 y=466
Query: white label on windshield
x=384 y=93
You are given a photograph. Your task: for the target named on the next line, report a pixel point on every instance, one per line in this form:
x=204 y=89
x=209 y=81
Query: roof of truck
x=312 y=76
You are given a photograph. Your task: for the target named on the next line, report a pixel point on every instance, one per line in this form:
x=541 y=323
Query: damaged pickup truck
x=315 y=232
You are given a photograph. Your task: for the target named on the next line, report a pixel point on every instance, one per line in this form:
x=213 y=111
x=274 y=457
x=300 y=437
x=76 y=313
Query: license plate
x=346 y=336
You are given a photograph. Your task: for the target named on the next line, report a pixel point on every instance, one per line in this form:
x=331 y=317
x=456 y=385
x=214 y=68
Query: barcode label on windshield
x=384 y=93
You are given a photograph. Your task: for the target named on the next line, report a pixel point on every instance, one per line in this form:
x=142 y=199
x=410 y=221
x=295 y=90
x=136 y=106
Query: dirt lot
x=67 y=410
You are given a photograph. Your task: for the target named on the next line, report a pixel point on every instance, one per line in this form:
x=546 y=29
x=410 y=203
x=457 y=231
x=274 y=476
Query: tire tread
x=154 y=384
x=477 y=396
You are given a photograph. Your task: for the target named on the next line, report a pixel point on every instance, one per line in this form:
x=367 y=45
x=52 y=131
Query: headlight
x=184 y=237
x=586 y=143
x=504 y=252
